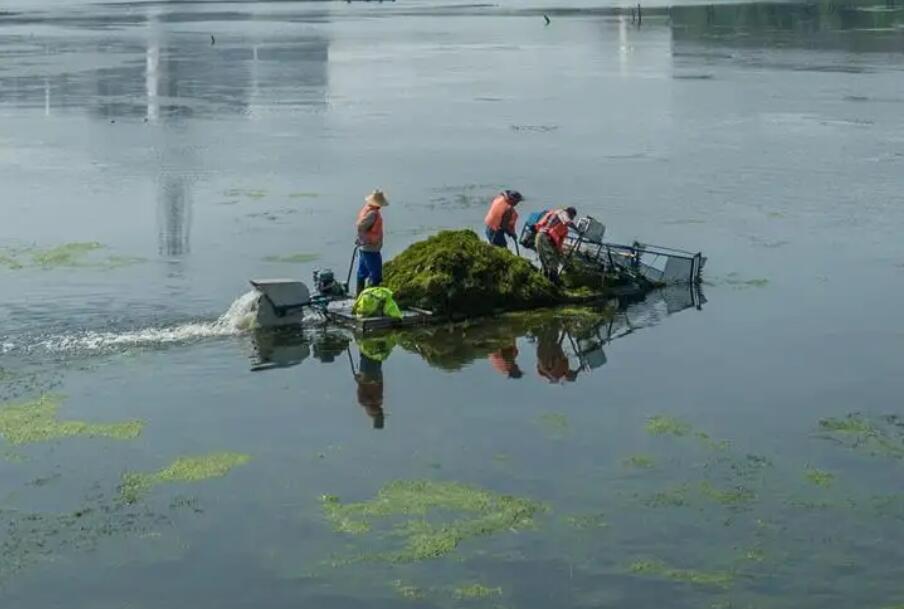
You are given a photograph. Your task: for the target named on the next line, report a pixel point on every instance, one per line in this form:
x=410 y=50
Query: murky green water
x=742 y=449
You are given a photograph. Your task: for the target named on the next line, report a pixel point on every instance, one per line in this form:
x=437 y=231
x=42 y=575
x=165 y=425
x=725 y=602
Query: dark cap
x=513 y=195
x=572 y=212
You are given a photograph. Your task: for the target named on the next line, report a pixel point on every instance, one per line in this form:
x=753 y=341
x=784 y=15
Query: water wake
x=237 y=319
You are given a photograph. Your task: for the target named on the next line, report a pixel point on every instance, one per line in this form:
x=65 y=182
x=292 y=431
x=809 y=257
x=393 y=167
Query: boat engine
x=281 y=302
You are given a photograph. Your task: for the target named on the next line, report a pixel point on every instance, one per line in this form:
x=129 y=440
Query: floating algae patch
x=292 y=258
x=476 y=513
x=881 y=436
x=184 y=469
x=67 y=254
x=454 y=272
x=731 y=497
x=639 y=462
x=655 y=568
x=820 y=477
x=247 y=193
x=10 y=262
x=555 y=423
x=408 y=591
x=673 y=497
x=36 y=421
x=663 y=425
x=583 y=522
x=475 y=591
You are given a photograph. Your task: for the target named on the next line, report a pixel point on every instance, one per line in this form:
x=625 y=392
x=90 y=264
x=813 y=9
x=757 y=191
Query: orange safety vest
x=553 y=225
x=497 y=215
x=374 y=234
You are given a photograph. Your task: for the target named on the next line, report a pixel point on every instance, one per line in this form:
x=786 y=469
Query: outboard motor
x=281 y=302
x=326 y=285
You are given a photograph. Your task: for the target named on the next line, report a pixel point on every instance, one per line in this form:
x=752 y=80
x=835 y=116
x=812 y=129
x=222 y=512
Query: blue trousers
x=496 y=237
x=370 y=266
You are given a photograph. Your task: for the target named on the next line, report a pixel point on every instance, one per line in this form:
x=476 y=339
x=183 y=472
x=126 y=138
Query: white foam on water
x=240 y=317
x=6 y=347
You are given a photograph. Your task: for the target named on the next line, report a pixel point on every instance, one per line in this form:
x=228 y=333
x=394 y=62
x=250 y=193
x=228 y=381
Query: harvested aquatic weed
x=484 y=513
x=639 y=462
x=655 y=568
x=184 y=469
x=36 y=421
x=292 y=258
x=475 y=591
x=454 y=272
x=820 y=477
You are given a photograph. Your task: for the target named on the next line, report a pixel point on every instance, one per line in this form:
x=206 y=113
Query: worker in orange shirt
x=501 y=217
x=550 y=241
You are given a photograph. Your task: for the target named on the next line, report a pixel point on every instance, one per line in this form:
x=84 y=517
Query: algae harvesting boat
x=454 y=275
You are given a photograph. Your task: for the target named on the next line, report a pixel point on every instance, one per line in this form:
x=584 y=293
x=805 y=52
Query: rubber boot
x=362 y=284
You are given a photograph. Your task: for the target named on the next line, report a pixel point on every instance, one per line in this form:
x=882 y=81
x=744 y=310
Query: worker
x=501 y=218
x=552 y=363
x=504 y=360
x=551 y=232
x=370 y=240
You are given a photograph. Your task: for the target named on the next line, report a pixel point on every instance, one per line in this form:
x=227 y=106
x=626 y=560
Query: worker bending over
x=551 y=232
x=501 y=218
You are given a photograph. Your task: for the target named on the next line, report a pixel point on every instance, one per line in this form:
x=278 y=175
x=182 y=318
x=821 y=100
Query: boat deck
x=340 y=312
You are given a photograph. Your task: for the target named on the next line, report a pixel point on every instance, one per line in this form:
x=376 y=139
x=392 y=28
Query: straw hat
x=377 y=198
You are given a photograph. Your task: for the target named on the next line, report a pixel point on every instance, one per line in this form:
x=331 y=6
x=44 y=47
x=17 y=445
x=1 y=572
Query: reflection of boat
x=287 y=347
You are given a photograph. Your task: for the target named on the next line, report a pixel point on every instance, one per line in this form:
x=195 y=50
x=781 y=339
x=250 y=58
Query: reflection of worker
x=504 y=361
x=369 y=377
x=552 y=363
x=370 y=388
x=551 y=232
x=501 y=218
x=370 y=240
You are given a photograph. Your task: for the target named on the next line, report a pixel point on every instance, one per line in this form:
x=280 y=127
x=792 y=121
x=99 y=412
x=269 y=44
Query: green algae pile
x=184 y=469
x=36 y=421
x=475 y=513
x=454 y=272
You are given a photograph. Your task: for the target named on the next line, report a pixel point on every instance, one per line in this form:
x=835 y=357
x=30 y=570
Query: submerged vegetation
x=882 y=436
x=663 y=425
x=184 y=469
x=76 y=254
x=655 y=568
x=820 y=477
x=475 y=591
x=298 y=258
x=477 y=513
x=36 y=421
x=639 y=462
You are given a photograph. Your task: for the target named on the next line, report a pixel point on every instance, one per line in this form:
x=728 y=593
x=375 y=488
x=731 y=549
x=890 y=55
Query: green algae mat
x=429 y=519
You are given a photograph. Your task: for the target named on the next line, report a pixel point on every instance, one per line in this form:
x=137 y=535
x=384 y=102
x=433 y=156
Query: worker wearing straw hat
x=370 y=240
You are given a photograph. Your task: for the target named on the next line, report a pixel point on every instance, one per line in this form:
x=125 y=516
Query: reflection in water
x=868 y=26
x=173 y=214
x=566 y=342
